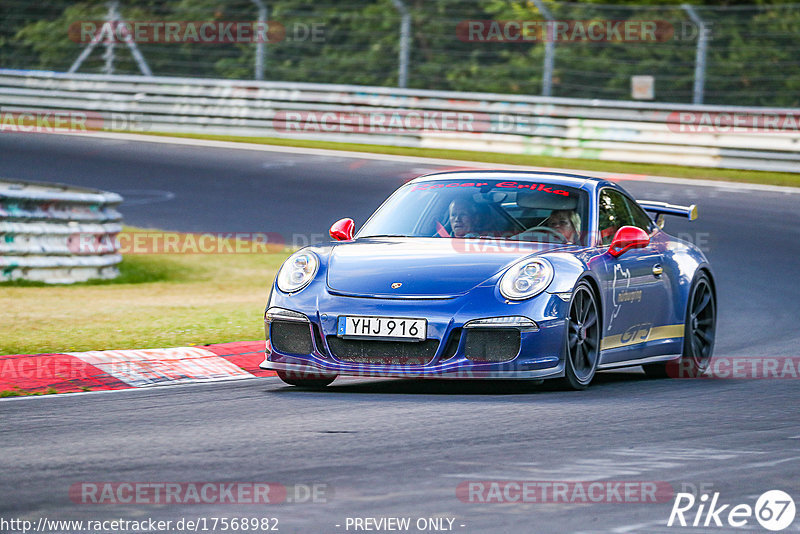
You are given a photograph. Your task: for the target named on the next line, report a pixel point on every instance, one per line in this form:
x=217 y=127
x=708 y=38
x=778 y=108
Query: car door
x=635 y=292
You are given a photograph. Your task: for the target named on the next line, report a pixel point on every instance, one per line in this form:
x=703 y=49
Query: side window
x=640 y=218
x=614 y=214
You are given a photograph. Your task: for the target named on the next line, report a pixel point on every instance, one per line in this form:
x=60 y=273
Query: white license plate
x=389 y=328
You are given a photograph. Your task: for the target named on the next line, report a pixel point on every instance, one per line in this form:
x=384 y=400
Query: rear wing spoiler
x=663 y=208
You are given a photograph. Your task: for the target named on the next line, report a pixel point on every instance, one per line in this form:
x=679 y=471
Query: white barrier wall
x=683 y=134
x=57 y=234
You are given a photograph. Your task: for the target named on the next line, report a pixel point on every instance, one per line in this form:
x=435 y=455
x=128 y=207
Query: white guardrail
x=56 y=233
x=683 y=134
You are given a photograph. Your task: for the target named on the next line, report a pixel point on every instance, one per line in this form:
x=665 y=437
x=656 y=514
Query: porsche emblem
x=396 y=285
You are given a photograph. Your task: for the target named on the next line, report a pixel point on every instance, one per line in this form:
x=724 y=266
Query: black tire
x=293 y=379
x=698 y=335
x=582 y=342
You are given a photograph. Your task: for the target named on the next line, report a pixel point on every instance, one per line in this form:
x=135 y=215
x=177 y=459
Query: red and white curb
x=124 y=369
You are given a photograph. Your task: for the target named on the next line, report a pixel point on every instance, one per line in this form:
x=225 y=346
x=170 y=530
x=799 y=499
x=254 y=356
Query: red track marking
x=67 y=373
x=246 y=354
x=40 y=372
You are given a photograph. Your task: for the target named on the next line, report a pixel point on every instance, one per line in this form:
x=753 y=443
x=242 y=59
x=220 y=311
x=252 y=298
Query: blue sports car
x=495 y=275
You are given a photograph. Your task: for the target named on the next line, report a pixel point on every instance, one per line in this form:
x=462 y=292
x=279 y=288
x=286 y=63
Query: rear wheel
x=302 y=379
x=583 y=338
x=698 y=335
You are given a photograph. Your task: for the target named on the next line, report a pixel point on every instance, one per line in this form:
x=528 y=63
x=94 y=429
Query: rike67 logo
x=774 y=510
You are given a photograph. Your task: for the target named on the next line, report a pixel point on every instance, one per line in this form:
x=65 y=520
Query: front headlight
x=298 y=271
x=526 y=279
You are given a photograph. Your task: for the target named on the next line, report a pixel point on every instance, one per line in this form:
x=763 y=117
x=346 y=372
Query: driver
x=565 y=222
x=465 y=219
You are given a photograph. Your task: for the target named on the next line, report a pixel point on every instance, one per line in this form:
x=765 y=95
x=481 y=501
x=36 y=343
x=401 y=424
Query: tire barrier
x=56 y=233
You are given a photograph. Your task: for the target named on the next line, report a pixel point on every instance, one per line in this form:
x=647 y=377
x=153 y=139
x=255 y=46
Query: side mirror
x=626 y=238
x=342 y=230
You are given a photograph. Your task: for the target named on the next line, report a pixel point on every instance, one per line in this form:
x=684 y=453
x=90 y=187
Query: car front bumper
x=540 y=353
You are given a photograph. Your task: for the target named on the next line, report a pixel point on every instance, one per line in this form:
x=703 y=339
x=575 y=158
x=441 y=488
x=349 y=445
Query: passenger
x=565 y=222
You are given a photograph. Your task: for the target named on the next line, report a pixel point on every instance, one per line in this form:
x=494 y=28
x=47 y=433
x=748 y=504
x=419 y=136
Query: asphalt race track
x=401 y=448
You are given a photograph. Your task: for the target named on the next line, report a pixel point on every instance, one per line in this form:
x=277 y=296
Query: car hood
x=425 y=267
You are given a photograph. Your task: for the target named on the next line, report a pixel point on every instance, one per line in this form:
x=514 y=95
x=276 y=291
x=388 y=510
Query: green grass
x=134 y=270
x=732 y=175
x=160 y=300
x=24 y=393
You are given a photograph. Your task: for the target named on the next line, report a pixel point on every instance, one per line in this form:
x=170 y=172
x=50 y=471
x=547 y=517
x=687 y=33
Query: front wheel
x=583 y=338
x=301 y=380
x=698 y=335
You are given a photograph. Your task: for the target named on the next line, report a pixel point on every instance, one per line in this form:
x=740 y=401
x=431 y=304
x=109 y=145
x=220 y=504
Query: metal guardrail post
x=137 y=55
x=405 y=45
x=700 y=54
x=109 y=55
x=261 y=45
x=82 y=57
x=549 y=50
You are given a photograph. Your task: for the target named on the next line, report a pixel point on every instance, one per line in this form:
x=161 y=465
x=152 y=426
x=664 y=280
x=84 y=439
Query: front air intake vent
x=318 y=340
x=452 y=345
x=291 y=337
x=492 y=344
x=383 y=352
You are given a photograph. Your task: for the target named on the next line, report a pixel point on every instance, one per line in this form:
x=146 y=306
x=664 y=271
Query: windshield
x=513 y=210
